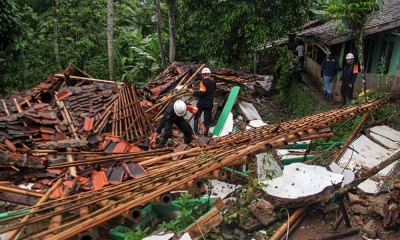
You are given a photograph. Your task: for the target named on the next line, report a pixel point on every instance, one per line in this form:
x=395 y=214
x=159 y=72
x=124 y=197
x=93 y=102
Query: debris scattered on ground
x=91 y=137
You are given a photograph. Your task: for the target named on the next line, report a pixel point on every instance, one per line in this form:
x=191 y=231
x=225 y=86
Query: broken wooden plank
x=205 y=224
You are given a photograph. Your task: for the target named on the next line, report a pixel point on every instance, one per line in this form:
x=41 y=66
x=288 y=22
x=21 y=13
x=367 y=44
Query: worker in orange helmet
x=205 y=102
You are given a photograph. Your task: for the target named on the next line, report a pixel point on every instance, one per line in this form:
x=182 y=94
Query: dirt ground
x=314 y=227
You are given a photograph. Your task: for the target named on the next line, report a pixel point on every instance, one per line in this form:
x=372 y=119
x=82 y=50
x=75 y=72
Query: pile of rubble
x=83 y=143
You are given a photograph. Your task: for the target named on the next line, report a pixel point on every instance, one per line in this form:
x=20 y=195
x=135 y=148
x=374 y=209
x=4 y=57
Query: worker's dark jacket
x=168 y=119
x=168 y=116
x=206 y=93
x=329 y=67
x=349 y=75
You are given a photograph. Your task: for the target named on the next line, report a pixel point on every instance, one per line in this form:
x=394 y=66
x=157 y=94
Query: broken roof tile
x=47 y=130
x=134 y=170
x=63 y=94
x=122 y=147
x=48 y=115
x=57 y=193
x=116 y=176
x=88 y=124
x=10 y=145
x=100 y=180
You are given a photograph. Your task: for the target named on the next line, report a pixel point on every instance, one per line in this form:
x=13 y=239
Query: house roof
x=388 y=18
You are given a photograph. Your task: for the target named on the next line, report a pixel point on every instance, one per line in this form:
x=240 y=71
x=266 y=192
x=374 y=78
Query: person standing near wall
x=329 y=69
x=300 y=53
x=348 y=79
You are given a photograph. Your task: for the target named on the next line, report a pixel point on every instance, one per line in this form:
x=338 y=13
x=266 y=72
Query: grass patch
x=300 y=102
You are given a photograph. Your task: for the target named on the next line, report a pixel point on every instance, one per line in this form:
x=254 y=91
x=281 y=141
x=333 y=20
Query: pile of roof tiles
x=73 y=112
x=86 y=103
x=175 y=73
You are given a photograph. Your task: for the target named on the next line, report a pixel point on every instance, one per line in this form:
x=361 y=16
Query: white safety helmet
x=349 y=56
x=205 y=71
x=180 y=108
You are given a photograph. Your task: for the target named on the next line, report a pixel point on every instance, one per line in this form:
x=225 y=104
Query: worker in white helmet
x=205 y=102
x=349 y=76
x=173 y=114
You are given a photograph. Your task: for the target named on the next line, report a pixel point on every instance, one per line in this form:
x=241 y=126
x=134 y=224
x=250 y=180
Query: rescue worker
x=348 y=79
x=329 y=69
x=173 y=114
x=205 y=101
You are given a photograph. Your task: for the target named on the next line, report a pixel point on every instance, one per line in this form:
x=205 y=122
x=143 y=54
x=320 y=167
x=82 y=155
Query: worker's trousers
x=182 y=125
x=207 y=119
x=346 y=93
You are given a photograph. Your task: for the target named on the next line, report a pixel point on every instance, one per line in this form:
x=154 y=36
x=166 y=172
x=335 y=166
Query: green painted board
x=227 y=109
x=288 y=161
x=11 y=214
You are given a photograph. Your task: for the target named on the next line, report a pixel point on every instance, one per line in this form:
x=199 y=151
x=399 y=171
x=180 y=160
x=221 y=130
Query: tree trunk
x=159 y=33
x=110 y=39
x=360 y=53
x=172 y=39
x=53 y=4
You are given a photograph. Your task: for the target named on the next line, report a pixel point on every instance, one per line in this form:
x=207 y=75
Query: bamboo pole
x=351 y=138
x=222 y=157
x=57 y=220
x=283 y=228
x=46 y=196
x=21 y=191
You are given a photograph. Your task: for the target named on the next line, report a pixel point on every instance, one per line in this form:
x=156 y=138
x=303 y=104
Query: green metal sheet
x=227 y=109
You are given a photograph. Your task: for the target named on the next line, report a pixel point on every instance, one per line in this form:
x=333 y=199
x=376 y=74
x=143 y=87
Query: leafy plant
x=285 y=71
x=139 y=234
x=246 y=195
x=188 y=213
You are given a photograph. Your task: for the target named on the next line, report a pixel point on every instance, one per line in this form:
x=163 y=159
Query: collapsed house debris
x=83 y=144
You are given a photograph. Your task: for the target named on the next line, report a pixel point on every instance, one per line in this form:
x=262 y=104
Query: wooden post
x=5 y=107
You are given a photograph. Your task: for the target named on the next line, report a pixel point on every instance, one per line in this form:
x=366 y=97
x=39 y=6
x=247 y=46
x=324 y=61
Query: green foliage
x=285 y=71
x=225 y=33
x=229 y=32
x=246 y=195
x=82 y=41
x=138 y=234
x=188 y=213
x=383 y=77
x=353 y=12
x=9 y=23
x=301 y=102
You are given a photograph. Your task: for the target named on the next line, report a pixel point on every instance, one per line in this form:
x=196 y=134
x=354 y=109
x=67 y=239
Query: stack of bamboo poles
x=165 y=175
x=129 y=119
x=235 y=79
